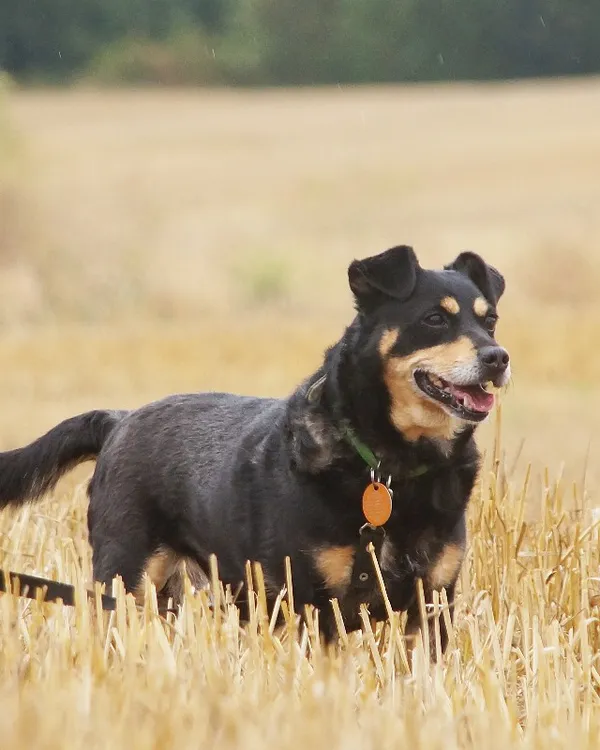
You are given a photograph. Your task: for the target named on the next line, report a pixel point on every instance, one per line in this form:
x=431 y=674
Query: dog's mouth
x=469 y=402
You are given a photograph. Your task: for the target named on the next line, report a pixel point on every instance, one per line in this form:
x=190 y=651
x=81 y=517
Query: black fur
x=260 y=479
x=30 y=472
x=486 y=278
x=390 y=274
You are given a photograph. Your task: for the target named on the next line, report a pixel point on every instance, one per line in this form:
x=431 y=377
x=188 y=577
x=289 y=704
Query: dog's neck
x=341 y=395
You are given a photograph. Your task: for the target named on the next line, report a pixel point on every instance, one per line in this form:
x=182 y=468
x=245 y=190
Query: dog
x=376 y=446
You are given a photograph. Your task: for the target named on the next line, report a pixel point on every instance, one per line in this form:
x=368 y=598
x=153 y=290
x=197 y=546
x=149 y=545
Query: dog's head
x=433 y=334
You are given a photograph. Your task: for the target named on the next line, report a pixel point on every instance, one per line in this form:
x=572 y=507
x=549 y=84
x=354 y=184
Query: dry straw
x=521 y=668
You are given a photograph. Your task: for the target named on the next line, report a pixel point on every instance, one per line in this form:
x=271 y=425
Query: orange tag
x=377 y=503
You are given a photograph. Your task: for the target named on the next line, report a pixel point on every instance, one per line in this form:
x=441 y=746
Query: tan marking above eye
x=387 y=341
x=335 y=565
x=447 y=566
x=450 y=305
x=480 y=307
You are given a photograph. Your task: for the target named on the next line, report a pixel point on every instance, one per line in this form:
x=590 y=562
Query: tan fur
x=387 y=341
x=335 y=565
x=480 y=307
x=165 y=569
x=159 y=568
x=413 y=414
x=446 y=567
x=450 y=305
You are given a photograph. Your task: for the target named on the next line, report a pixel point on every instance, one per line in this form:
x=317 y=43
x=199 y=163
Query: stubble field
x=154 y=242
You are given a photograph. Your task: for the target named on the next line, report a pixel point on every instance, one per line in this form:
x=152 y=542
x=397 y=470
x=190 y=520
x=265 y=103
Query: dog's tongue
x=474 y=397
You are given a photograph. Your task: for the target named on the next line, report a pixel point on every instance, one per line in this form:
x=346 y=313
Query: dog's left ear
x=392 y=273
x=486 y=278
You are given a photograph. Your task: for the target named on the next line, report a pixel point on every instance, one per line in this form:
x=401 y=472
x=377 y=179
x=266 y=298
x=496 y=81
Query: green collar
x=367 y=455
x=370 y=458
x=363 y=450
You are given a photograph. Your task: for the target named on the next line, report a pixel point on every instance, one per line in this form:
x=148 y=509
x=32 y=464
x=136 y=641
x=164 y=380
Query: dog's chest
x=423 y=539
x=351 y=577
x=401 y=561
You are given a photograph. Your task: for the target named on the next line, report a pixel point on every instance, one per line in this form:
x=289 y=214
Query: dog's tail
x=28 y=473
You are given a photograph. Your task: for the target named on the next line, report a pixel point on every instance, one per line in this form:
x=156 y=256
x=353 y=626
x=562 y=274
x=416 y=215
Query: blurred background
x=184 y=182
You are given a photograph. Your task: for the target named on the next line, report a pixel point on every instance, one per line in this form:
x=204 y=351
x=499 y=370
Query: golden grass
x=189 y=240
x=521 y=671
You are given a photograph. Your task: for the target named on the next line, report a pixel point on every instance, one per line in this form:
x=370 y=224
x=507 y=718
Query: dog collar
x=351 y=437
x=361 y=448
x=370 y=458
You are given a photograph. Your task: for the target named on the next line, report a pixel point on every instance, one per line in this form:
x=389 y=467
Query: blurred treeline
x=296 y=41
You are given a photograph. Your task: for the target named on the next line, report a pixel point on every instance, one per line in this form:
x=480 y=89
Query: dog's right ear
x=389 y=274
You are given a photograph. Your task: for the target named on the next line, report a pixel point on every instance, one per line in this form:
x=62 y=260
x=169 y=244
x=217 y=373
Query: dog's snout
x=494 y=358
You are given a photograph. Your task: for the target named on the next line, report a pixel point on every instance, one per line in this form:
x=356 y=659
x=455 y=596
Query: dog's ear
x=486 y=278
x=389 y=274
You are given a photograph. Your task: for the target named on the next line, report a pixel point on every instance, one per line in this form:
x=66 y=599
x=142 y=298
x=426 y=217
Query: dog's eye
x=490 y=323
x=435 y=320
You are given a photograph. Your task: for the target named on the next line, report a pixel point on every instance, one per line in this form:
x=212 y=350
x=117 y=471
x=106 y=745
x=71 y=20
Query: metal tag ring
x=377 y=477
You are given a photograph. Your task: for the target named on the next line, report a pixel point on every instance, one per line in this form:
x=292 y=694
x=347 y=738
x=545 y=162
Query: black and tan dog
x=395 y=401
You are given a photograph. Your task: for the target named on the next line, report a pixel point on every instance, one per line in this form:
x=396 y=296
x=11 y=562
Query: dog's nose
x=494 y=358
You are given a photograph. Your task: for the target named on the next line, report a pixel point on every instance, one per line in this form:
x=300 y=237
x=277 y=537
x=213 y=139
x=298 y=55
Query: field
x=153 y=242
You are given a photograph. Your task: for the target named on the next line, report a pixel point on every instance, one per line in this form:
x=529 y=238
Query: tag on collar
x=377 y=503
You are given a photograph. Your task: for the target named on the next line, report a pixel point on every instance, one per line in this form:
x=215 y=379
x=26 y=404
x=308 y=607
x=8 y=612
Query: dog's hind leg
x=139 y=558
x=123 y=543
x=160 y=569
x=126 y=558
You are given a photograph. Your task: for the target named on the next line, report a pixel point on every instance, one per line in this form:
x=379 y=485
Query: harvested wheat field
x=154 y=242
x=520 y=671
